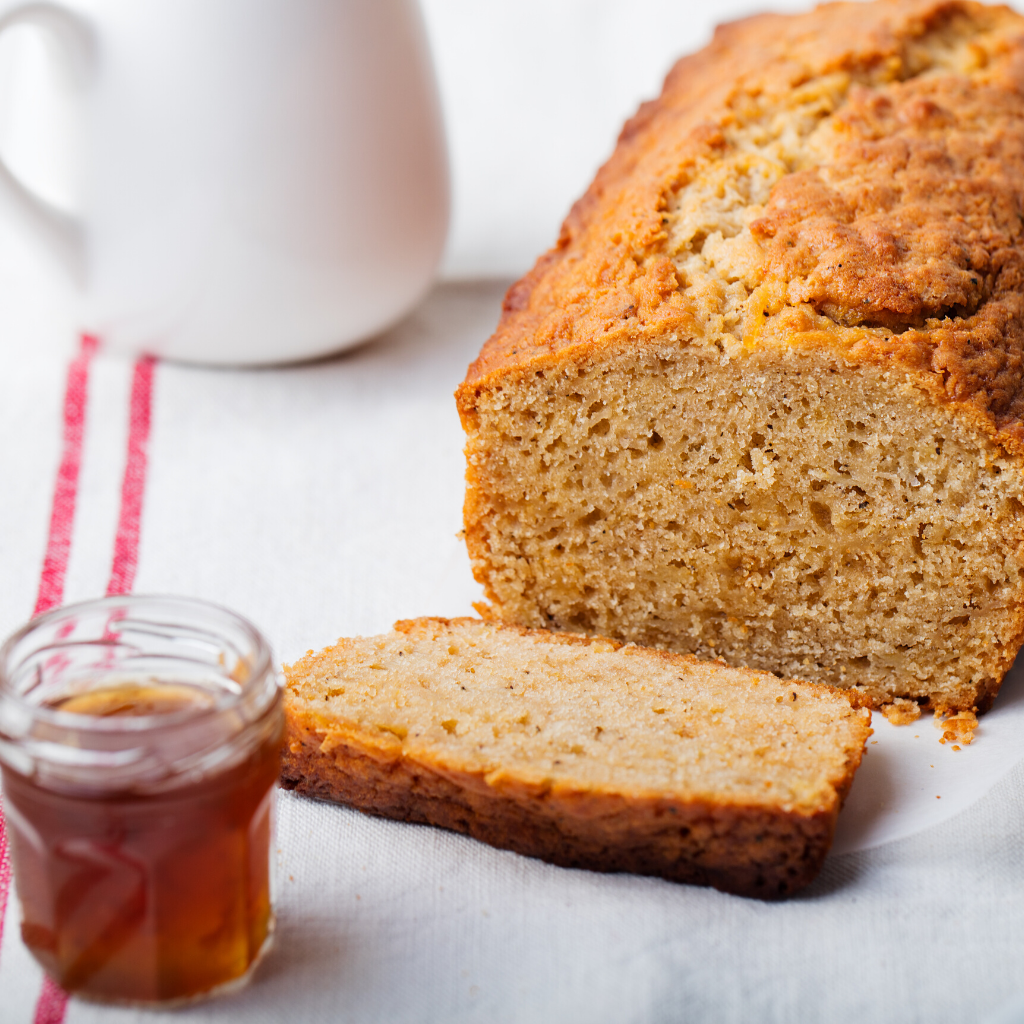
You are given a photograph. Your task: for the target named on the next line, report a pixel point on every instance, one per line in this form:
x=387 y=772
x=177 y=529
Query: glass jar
x=140 y=744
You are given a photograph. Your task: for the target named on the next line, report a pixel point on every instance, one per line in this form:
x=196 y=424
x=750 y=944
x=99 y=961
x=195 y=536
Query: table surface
x=324 y=500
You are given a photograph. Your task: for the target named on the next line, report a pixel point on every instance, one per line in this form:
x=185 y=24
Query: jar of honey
x=140 y=741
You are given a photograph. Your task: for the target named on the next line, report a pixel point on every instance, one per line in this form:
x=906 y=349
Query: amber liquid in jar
x=148 y=897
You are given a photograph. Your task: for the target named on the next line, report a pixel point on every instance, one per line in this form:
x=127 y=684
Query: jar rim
x=260 y=668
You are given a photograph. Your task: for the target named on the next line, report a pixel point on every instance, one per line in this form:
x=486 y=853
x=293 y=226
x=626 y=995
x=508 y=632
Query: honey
x=135 y=700
x=144 y=873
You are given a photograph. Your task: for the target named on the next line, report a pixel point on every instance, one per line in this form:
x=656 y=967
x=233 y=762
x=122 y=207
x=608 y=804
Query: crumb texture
x=583 y=752
x=777 y=511
x=958 y=728
x=902 y=712
x=764 y=399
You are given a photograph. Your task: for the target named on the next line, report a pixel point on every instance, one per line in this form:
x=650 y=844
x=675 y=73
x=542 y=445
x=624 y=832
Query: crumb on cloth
x=901 y=711
x=958 y=728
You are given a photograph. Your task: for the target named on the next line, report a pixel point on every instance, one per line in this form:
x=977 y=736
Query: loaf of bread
x=764 y=399
x=581 y=751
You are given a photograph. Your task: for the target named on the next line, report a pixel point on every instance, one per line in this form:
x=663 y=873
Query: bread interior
x=484 y=699
x=775 y=508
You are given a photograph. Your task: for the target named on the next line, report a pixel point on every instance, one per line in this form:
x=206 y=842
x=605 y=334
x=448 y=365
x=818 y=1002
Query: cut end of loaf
x=580 y=751
x=777 y=508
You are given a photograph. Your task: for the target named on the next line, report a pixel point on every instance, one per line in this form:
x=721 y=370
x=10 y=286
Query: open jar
x=140 y=744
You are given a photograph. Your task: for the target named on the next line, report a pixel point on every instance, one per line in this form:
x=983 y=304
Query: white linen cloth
x=324 y=500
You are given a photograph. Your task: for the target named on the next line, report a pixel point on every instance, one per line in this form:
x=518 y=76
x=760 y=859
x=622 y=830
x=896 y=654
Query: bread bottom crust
x=755 y=851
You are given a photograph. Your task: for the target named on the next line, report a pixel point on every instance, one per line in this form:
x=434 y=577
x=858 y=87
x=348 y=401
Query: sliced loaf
x=764 y=400
x=583 y=752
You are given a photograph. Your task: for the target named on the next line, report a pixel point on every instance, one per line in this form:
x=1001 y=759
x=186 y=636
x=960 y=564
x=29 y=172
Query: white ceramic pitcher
x=261 y=180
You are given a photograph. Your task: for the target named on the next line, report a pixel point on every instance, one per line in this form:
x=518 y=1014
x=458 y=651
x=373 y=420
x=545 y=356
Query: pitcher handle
x=61 y=234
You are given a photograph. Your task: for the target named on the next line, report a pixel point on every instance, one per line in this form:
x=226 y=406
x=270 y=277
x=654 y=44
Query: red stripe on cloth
x=53 y=1000
x=65 y=492
x=52 y=1004
x=126 y=545
x=55 y=560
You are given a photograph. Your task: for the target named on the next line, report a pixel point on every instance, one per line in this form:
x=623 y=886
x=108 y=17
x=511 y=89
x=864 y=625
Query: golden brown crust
x=750 y=851
x=905 y=238
x=749 y=847
x=919 y=217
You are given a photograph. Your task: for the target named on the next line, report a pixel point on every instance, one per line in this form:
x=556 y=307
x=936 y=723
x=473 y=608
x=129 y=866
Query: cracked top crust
x=852 y=177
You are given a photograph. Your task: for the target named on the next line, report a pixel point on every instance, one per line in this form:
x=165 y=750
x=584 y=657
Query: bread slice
x=765 y=398
x=583 y=752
